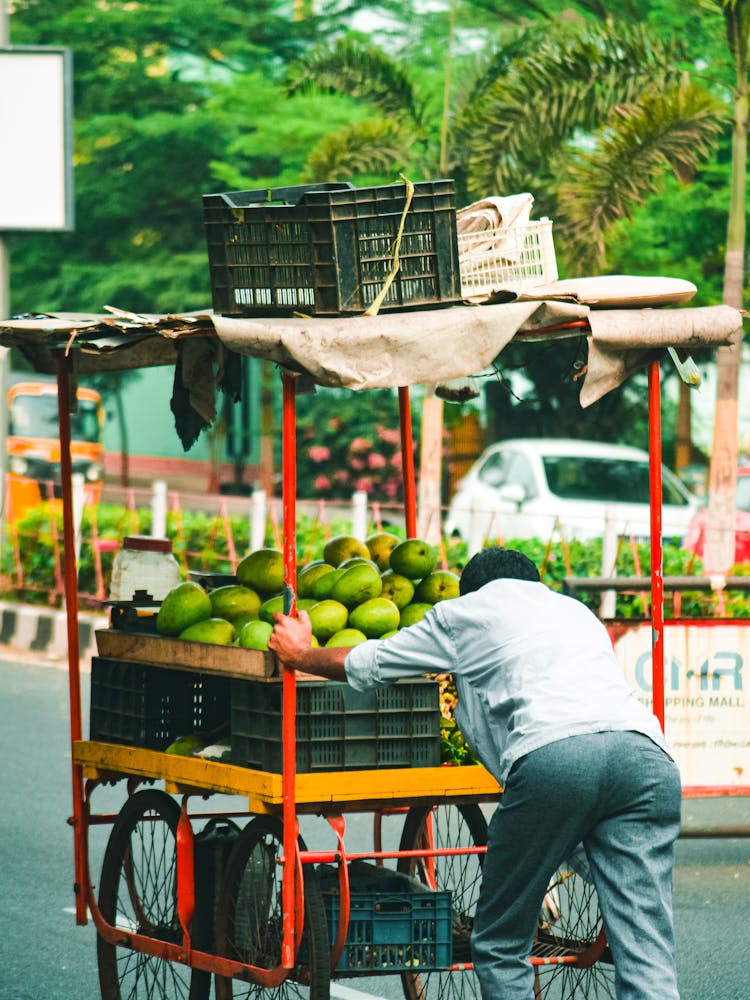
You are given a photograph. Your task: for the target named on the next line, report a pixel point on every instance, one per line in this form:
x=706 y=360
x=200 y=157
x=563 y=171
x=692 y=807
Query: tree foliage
x=667 y=130
x=587 y=116
x=586 y=104
x=172 y=100
x=344 y=446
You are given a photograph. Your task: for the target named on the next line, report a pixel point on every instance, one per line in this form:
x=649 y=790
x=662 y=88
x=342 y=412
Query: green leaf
x=672 y=129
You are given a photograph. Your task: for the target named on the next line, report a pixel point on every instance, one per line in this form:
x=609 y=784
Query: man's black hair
x=496 y=564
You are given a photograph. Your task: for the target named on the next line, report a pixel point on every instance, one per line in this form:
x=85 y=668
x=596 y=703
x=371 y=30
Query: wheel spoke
x=447 y=826
x=570 y=924
x=249 y=923
x=569 y=921
x=138 y=894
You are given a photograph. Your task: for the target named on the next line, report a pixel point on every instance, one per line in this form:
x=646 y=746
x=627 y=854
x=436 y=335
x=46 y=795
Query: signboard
x=36 y=168
x=707 y=710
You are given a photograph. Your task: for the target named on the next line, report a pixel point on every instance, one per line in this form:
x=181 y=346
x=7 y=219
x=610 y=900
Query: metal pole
x=359 y=514
x=657 y=556
x=65 y=394
x=289 y=689
x=258 y=515
x=4 y=283
x=159 y=509
x=407 y=462
x=4 y=314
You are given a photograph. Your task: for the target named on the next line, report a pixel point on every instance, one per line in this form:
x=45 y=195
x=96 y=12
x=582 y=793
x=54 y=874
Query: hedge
x=31 y=558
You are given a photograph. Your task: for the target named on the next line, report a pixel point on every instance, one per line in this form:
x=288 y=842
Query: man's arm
x=291 y=640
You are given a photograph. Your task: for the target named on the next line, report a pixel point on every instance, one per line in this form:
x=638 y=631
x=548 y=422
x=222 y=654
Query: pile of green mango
x=356 y=591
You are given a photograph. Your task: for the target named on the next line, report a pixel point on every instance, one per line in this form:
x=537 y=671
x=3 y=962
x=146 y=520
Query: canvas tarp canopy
x=365 y=352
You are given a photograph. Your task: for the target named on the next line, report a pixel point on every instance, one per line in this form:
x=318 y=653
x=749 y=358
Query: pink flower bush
x=388 y=435
x=350 y=441
x=360 y=444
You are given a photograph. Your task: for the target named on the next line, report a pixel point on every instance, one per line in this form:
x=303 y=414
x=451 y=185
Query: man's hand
x=291 y=641
x=291 y=638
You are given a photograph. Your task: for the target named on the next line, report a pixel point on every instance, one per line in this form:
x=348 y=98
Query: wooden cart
x=262 y=924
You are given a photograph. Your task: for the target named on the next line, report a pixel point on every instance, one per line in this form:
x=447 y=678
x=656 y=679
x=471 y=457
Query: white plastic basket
x=513 y=258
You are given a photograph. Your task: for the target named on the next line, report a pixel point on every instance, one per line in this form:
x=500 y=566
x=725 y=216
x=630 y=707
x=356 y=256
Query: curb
x=32 y=629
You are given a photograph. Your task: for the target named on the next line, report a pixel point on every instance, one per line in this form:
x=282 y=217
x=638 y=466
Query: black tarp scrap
x=202 y=366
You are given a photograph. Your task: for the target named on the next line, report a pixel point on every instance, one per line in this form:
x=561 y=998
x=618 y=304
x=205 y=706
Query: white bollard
x=159 y=509
x=428 y=522
x=475 y=541
x=79 y=495
x=359 y=515
x=609 y=567
x=258 y=514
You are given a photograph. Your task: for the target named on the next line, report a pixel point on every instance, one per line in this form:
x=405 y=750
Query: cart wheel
x=249 y=922
x=138 y=892
x=570 y=921
x=452 y=826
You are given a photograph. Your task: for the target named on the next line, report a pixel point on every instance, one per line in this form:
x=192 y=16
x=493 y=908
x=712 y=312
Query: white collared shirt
x=530 y=667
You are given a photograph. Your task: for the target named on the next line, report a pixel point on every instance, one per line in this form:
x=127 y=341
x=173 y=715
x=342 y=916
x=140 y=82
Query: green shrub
x=200 y=543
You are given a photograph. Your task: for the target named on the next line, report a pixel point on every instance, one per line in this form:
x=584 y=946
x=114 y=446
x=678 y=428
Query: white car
x=537 y=487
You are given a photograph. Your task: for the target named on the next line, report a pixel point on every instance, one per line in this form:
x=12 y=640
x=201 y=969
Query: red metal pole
x=65 y=401
x=657 y=555
x=407 y=462
x=289 y=694
x=185 y=872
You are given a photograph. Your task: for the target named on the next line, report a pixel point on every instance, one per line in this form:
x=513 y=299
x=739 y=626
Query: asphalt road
x=45 y=956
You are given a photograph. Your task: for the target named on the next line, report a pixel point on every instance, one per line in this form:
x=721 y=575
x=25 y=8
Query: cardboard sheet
x=618 y=291
x=392 y=349
x=439 y=345
x=625 y=341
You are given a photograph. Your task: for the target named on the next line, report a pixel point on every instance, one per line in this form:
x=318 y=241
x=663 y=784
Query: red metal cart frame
x=283 y=797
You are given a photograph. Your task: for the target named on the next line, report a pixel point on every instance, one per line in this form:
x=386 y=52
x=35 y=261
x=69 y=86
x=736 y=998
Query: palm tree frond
x=665 y=130
x=556 y=89
x=377 y=146
x=361 y=71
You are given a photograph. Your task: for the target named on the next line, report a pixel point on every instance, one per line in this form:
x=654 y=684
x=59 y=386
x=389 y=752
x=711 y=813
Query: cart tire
x=249 y=922
x=570 y=921
x=138 y=891
x=452 y=826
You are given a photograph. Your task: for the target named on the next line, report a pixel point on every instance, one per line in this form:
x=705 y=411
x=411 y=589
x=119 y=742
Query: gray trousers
x=619 y=795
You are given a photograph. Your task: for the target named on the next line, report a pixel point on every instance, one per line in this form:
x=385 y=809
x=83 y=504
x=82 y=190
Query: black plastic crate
x=328 y=249
x=149 y=706
x=395 y=924
x=213 y=845
x=338 y=728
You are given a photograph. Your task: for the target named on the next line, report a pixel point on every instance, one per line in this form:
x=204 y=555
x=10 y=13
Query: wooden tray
x=181 y=654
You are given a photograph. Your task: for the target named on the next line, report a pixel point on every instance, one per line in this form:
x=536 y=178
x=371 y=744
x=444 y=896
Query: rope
x=374 y=308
